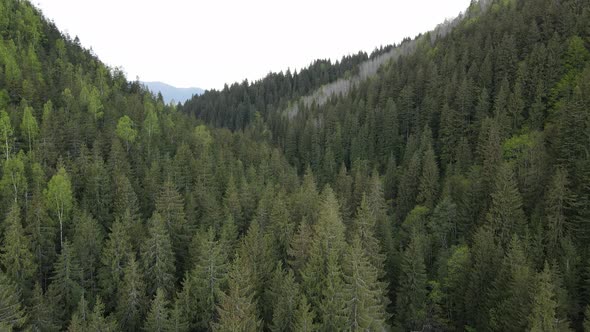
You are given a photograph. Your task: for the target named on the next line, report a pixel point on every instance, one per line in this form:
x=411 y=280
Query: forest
x=449 y=191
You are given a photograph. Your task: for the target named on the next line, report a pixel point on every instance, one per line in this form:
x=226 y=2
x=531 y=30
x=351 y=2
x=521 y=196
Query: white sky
x=193 y=43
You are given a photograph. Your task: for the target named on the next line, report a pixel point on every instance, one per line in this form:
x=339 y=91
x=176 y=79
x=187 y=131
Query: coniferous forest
x=449 y=191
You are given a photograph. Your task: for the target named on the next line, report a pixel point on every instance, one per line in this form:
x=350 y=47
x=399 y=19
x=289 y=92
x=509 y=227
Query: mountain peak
x=170 y=92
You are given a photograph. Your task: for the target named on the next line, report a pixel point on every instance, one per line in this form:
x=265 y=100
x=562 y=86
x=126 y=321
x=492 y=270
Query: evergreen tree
x=237 y=309
x=16 y=255
x=115 y=255
x=40 y=315
x=65 y=289
x=157 y=258
x=332 y=306
x=131 y=301
x=284 y=296
x=428 y=187
x=158 y=315
x=328 y=243
x=366 y=296
x=412 y=294
x=87 y=244
x=170 y=206
x=304 y=317
x=543 y=314
x=208 y=277
x=12 y=312
x=506 y=215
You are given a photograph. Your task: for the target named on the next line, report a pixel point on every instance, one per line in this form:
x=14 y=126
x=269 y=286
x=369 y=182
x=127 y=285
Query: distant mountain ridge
x=169 y=92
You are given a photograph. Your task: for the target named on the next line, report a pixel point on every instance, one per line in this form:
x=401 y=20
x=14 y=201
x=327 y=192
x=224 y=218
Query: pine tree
x=284 y=297
x=115 y=254
x=43 y=233
x=327 y=242
x=231 y=201
x=407 y=192
x=40 y=315
x=208 y=277
x=256 y=250
x=506 y=215
x=428 y=186
x=281 y=225
x=16 y=255
x=304 y=317
x=158 y=315
x=364 y=228
x=332 y=306
x=543 y=313
x=587 y=319
x=486 y=256
x=412 y=294
x=170 y=206
x=98 y=321
x=299 y=247
x=131 y=301
x=366 y=296
x=454 y=283
x=157 y=257
x=558 y=200
x=87 y=244
x=512 y=292
x=237 y=308
x=12 y=312
x=81 y=317
x=65 y=289
x=178 y=320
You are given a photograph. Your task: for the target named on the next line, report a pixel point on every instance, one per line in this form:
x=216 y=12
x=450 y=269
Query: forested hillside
x=450 y=191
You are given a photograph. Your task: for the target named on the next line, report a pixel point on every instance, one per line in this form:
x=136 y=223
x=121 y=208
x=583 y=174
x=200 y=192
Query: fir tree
x=158 y=315
x=237 y=308
x=157 y=258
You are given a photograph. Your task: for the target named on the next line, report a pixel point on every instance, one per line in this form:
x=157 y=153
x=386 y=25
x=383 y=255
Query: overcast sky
x=189 y=43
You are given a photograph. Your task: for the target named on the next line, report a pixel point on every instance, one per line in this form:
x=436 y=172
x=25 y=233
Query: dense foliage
x=451 y=191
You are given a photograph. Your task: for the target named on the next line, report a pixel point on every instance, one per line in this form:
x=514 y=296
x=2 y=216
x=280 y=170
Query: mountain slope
x=172 y=93
x=447 y=191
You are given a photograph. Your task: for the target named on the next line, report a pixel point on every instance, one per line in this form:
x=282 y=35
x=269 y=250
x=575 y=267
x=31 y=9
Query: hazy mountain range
x=170 y=92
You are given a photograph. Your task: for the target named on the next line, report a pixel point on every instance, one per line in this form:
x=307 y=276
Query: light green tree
x=125 y=130
x=6 y=133
x=59 y=198
x=29 y=126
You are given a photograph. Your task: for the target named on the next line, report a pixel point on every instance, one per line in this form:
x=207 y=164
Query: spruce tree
x=304 y=317
x=332 y=306
x=366 y=295
x=505 y=214
x=16 y=255
x=131 y=302
x=12 y=311
x=237 y=308
x=543 y=314
x=208 y=277
x=115 y=255
x=158 y=315
x=284 y=296
x=412 y=293
x=157 y=258
x=65 y=289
